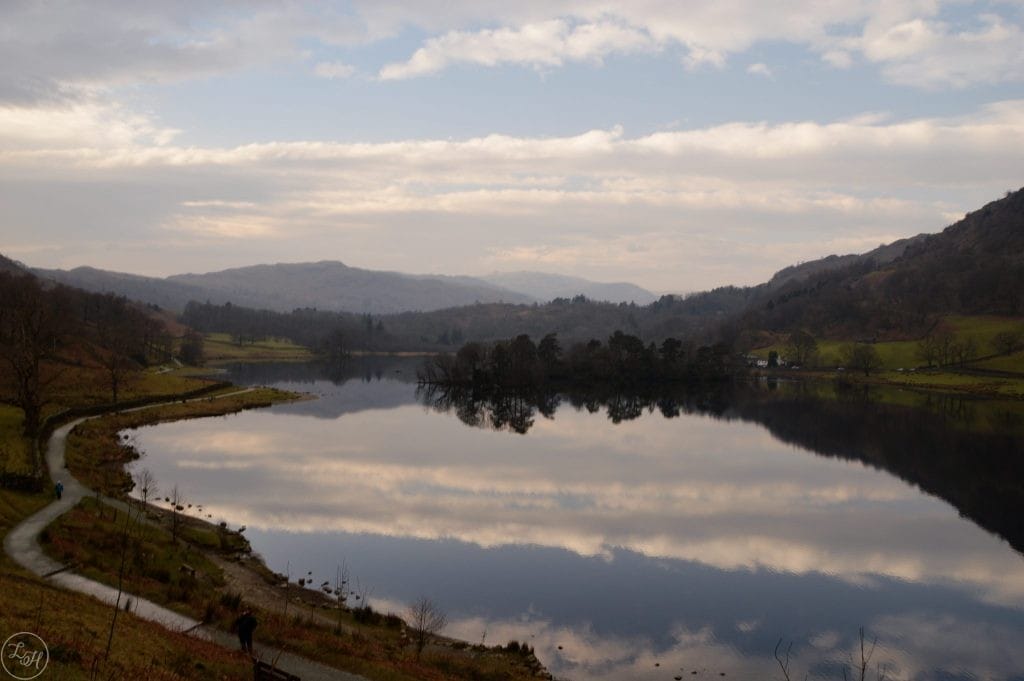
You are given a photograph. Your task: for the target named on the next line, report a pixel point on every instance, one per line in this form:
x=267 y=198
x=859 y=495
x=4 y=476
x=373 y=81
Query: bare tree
x=426 y=619
x=861 y=357
x=783 y=663
x=146 y=483
x=341 y=588
x=177 y=502
x=1006 y=342
x=120 y=334
x=801 y=347
x=33 y=325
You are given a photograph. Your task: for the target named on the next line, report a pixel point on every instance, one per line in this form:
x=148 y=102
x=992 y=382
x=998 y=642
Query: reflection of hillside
x=962 y=451
x=360 y=384
x=966 y=452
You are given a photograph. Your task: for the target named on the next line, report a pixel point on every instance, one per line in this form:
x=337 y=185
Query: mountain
x=974 y=266
x=326 y=285
x=882 y=255
x=167 y=294
x=11 y=266
x=545 y=287
x=334 y=286
x=331 y=285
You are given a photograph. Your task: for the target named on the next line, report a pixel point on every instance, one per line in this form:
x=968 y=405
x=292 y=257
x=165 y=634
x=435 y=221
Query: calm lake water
x=640 y=538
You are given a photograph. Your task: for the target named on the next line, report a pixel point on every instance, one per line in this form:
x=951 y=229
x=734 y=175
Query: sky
x=678 y=145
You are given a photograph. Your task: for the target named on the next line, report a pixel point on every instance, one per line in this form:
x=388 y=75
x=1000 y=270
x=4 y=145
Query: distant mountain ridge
x=899 y=290
x=546 y=287
x=332 y=285
x=12 y=266
x=882 y=255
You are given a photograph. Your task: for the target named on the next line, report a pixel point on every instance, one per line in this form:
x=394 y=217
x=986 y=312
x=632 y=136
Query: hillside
x=154 y=291
x=973 y=267
x=546 y=287
x=283 y=287
x=8 y=265
x=882 y=255
x=331 y=285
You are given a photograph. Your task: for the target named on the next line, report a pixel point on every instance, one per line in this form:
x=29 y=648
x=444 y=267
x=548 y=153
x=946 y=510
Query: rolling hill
x=546 y=287
x=326 y=285
x=334 y=286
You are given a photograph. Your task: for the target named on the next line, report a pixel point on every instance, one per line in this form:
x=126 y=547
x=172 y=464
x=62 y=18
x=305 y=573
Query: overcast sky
x=679 y=145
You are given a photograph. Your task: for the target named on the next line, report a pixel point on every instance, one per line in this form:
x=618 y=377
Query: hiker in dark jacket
x=245 y=625
x=58 y=489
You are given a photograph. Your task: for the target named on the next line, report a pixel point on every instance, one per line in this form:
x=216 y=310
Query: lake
x=639 y=537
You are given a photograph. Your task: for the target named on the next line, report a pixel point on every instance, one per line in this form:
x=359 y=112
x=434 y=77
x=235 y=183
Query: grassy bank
x=991 y=375
x=186 y=574
x=96 y=455
x=904 y=354
x=75 y=627
x=221 y=347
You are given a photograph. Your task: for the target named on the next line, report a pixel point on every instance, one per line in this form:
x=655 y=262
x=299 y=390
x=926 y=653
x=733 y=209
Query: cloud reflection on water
x=725 y=494
x=682 y=516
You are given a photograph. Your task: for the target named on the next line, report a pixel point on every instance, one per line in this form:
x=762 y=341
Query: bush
x=231 y=601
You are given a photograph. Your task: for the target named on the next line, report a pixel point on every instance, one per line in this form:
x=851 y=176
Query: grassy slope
x=96 y=456
x=219 y=347
x=903 y=354
x=75 y=626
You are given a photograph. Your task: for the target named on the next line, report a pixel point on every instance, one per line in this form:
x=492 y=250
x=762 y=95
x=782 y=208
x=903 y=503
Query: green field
x=220 y=346
x=903 y=354
x=1013 y=363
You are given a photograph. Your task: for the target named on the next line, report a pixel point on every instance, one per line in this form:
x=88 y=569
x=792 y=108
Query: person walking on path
x=245 y=625
x=58 y=489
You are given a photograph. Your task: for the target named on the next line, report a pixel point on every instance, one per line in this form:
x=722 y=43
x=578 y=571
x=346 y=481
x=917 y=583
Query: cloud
x=50 y=55
x=333 y=69
x=80 y=48
x=909 y=40
x=74 y=124
x=934 y=55
x=545 y=44
x=691 y=506
x=601 y=202
x=759 y=69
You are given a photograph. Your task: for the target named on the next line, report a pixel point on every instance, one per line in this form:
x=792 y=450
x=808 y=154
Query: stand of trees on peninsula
x=623 y=360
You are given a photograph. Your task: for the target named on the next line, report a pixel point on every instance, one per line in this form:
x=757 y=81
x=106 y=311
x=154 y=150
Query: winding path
x=22 y=545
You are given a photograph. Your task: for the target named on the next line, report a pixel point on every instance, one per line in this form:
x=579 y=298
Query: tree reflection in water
x=961 y=449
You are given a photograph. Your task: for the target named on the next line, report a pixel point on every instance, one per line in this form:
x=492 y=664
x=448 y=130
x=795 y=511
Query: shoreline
x=246 y=573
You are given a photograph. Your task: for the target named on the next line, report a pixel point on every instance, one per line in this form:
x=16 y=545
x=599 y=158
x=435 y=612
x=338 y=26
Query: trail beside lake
x=22 y=545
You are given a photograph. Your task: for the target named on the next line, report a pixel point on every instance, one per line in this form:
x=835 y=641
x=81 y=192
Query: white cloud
x=333 y=69
x=85 y=47
x=760 y=69
x=934 y=55
x=74 y=125
x=545 y=44
x=907 y=38
x=601 y=202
